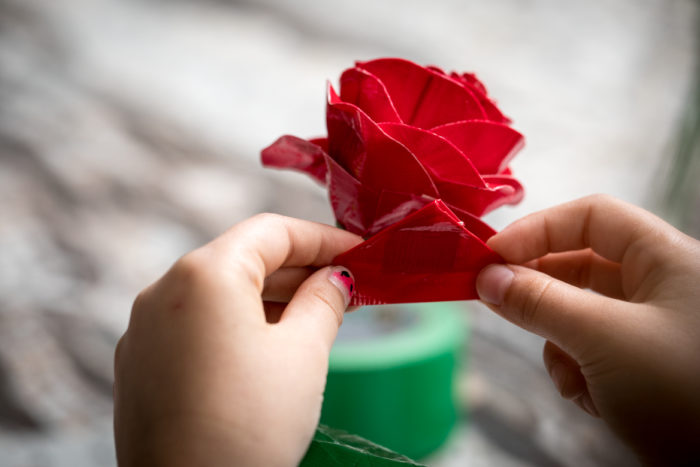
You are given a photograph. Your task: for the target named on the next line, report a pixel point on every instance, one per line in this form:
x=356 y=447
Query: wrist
x=183 y=443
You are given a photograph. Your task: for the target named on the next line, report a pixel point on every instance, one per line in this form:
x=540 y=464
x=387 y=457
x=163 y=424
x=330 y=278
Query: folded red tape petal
x=413 y=158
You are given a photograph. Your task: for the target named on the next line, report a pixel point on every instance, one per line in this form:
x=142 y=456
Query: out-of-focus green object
x=335 y=447
x=392 y=374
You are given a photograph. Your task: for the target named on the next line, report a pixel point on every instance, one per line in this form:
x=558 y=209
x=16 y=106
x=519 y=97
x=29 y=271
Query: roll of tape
x=392 y=373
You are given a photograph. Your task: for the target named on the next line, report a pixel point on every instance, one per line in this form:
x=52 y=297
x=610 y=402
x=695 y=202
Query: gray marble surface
x=130 y=133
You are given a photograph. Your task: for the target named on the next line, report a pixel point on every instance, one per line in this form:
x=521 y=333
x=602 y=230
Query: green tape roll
x=391 y=375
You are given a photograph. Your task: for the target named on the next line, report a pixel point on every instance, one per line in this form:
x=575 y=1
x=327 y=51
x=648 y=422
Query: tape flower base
x=427 y=255
x=404 y=139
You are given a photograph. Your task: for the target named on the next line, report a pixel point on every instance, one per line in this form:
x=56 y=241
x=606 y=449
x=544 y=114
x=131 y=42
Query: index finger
x=608 y=226
x=259 y=246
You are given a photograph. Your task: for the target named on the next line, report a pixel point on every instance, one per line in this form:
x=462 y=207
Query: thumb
x=566 y=315
x=316 y=309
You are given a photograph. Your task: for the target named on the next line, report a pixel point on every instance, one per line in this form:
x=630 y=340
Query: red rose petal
x=392 y=207
x=480 y=201
x=471 y=82
x=378 y=161
x=353 y=204
x=473 y=224
x=501 y=180
x=290 y=152
x=320 y=142
x=423 y=97
x=492 y=111
x=456 y=179
x=364 y=90
x=442 y=159
x=428 y=256
x=489 y=145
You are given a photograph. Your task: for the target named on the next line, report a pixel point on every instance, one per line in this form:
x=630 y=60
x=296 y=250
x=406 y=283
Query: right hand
x=627 y=351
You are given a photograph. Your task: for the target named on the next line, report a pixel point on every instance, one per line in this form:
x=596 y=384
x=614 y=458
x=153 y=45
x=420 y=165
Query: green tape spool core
x=397 y=389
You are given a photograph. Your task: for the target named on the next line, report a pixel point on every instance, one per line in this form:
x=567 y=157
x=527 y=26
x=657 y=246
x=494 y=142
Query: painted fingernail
x=493 y=282
x=342 y=279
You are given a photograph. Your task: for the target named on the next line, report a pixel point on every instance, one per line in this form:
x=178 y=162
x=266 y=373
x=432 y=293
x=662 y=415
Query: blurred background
x=130 y=133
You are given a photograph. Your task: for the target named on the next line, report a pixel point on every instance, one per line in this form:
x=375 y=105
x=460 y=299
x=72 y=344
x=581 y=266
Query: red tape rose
x=413 y=158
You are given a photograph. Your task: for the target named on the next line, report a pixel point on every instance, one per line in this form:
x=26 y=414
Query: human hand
x=214 y=369
x=629 y=353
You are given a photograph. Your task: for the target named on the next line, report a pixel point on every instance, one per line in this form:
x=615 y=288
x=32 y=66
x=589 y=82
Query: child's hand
x=630 y=352
x=209 y=374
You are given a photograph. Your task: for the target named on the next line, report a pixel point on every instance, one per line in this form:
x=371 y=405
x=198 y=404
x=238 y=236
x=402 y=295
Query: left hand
x=214 y=368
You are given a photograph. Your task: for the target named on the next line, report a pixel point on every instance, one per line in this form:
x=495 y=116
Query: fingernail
x=493 y=282
x=342 y=279
x=588 y=405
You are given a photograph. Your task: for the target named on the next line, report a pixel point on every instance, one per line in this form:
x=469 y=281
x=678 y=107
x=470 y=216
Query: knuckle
x=321 y=296
x=195 y=272
x=140 y=301
x=601 y=199
x=267 y=218
x=249 y=267
x=188 y=265
x=141 y=304
x=190 y=270
x=530 y=300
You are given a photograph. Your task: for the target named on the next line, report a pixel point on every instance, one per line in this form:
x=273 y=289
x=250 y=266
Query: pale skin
x=629 y=353
x=208 y=373
x=216 y=368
